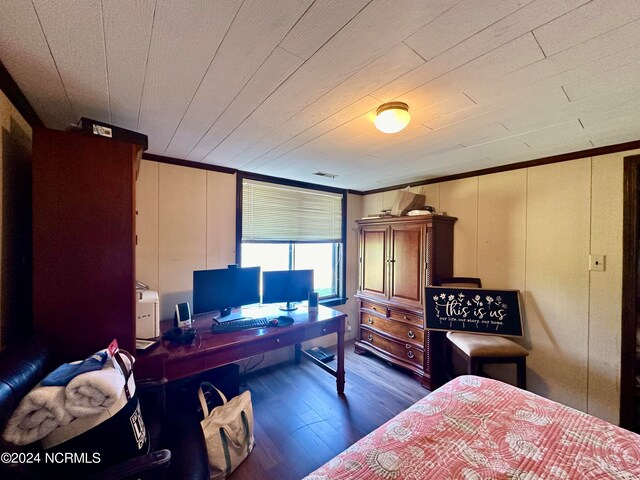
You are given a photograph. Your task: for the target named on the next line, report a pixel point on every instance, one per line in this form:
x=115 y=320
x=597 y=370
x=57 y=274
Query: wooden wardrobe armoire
x=83 y=241
x=398 y=257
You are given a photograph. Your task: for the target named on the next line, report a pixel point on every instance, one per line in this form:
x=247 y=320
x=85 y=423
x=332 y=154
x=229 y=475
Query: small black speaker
x=313 y=301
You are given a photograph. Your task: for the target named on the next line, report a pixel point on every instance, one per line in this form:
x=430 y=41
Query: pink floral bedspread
x=474 y=428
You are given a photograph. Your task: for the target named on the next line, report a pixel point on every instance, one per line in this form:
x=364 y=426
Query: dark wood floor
x=301 y=422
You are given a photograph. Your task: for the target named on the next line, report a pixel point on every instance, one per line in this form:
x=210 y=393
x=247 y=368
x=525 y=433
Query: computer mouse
x=283 y=321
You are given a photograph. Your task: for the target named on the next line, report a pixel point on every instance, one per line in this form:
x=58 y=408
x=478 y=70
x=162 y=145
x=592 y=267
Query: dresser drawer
x=406 y=352
x=402 y=331
x=379 y=309
x=407 y=317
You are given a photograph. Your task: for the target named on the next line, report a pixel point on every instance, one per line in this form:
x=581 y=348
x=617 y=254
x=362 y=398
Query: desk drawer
x=322 y=328
x=402 y=331
x=406 y=352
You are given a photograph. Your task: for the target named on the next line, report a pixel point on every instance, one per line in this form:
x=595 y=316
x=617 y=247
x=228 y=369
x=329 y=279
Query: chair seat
x=475 y=345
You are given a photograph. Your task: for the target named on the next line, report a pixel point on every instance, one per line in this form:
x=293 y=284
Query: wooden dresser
x=398 y=257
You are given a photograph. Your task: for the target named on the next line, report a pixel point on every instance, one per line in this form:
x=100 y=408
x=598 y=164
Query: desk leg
x=340 y=369
x=297 y=355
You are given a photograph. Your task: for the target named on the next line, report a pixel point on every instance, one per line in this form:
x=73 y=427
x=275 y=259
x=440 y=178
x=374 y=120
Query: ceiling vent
x=324 y=174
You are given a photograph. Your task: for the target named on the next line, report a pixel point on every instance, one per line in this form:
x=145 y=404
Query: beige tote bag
x=228 y=431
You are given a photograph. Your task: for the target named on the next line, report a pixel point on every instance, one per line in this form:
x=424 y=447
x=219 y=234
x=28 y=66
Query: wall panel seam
x=589 y=282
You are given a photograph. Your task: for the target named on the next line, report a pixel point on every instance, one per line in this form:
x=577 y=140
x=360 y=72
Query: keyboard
x=240 y=324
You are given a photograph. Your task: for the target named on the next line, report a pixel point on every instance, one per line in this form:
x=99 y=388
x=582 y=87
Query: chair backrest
x=464 y=282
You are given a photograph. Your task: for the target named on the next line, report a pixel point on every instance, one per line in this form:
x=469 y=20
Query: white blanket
x=40 y=412
x=92 y=393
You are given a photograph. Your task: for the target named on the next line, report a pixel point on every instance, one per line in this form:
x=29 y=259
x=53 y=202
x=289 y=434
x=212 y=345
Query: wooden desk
x=210 y=350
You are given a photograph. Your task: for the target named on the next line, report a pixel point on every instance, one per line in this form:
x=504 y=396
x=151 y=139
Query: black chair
x=479 y=350
x=178 y=452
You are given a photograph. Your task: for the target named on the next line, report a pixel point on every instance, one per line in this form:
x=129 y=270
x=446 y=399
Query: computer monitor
x=286 y=286
x=225 y=288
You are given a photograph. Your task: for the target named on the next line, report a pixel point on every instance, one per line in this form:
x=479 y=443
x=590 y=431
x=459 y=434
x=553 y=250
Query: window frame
x=341 y=298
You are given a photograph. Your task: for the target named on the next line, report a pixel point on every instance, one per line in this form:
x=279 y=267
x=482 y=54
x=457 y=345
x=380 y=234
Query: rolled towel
x=94 y=392
x=40 y=412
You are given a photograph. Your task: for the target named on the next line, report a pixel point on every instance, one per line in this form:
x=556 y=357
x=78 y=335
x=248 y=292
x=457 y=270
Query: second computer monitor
x=286 y=286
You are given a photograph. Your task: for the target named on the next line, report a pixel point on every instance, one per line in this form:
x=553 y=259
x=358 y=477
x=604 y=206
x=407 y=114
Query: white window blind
x=283 y=213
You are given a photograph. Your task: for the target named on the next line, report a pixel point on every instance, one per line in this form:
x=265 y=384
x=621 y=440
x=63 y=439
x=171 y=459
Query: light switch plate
x=596 y=263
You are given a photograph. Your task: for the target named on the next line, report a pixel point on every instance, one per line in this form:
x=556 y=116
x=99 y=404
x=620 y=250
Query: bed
x=474 y=428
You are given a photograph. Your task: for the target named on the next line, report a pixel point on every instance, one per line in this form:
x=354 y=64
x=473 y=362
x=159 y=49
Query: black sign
x=473 y=310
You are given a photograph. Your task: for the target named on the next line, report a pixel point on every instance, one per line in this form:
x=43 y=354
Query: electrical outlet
x=596 y=263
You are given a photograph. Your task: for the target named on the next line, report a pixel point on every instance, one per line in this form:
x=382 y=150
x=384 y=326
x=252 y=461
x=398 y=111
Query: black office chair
x=479 y=350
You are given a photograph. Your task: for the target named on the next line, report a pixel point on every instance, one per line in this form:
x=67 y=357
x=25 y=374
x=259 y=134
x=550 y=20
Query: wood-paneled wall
x=186 y=221
x=533 y=230
x=15 y=228
x=183 y=225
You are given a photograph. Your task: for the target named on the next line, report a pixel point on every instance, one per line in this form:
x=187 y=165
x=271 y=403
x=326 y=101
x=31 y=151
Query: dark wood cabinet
x=406 y=263
x=83 y=241
x=398 y=257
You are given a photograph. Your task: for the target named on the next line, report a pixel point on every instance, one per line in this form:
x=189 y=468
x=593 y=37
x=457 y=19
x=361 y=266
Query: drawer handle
x=410 y=354
x=410 y=334
x=406 y=318
x=370 y=321
x=408 y=346
x=375 y=309
x=277 y=340
x=370 y=338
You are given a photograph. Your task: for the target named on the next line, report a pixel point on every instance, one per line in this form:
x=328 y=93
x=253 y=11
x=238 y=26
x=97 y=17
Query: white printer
x=147 y=314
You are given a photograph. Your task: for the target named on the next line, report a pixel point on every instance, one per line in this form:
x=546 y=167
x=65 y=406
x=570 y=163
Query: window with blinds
x=283 y=213
x=285 y=227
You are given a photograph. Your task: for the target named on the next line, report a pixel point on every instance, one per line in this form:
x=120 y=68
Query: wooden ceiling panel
x=255 y=32
x=609 y=103
x=355 y=110
x=519 y=52
x=603 y=53
x=378 y=27
x=552 y=135
x=275 y=70
x=588 y=21
x=25 y=54
x=534 y=112
x=127 y=32
x=516 y=25
x=290 y=87
x=184 y=40
x=394 y=63
x=483 y=70
x=606 y=137
x=319 y=23
x=624 y=78
x=629 y=115
x=459 y=23
x=74 y=33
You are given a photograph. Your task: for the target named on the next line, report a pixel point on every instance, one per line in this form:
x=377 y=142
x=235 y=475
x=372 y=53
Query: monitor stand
x=289 y=307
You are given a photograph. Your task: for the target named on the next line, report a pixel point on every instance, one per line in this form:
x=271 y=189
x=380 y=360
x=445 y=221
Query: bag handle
x=203 y=402
x=245 y=426
x=225 y=442
x=127 y=371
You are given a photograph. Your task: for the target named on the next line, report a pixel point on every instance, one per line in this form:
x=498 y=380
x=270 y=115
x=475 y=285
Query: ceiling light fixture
x=392 y=117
